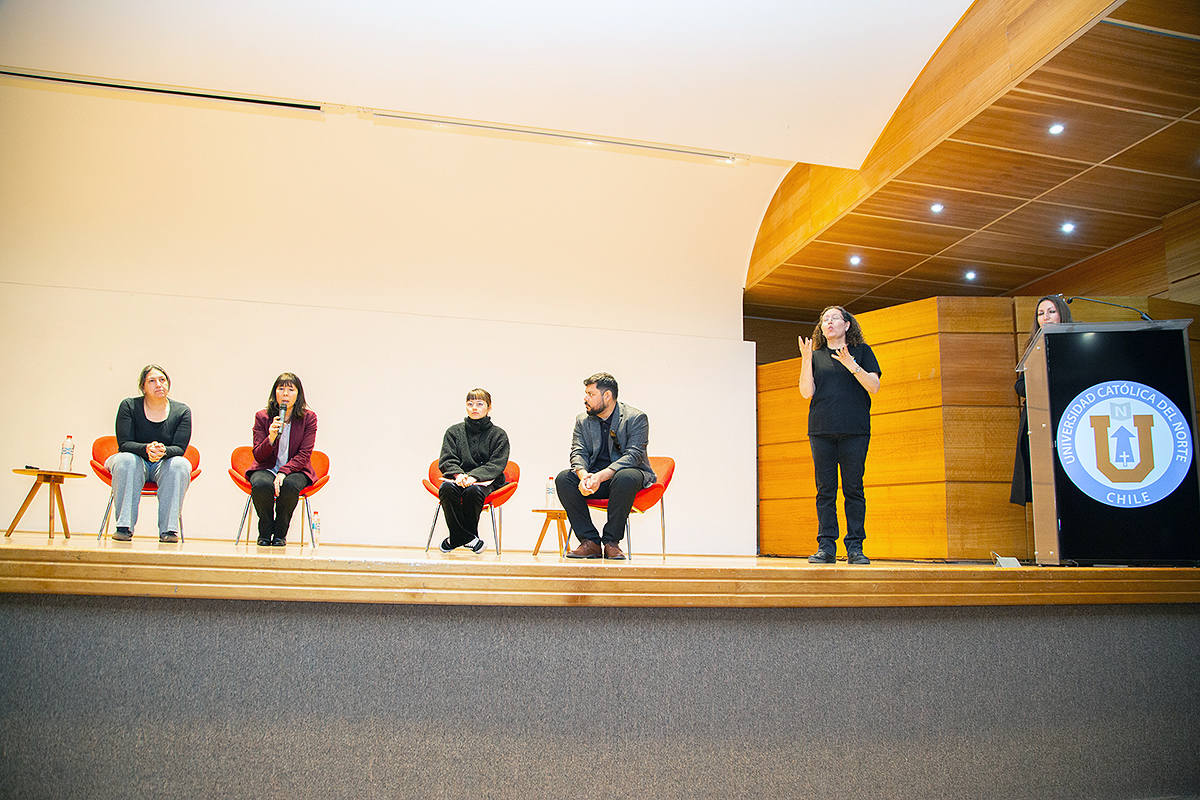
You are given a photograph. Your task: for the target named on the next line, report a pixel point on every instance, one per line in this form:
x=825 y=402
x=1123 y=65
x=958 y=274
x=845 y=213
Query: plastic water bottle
x=551 y=494
x=316 y=529
x=68 y=454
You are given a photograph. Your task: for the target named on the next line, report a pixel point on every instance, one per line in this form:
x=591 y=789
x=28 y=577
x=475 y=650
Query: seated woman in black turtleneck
x=474 y=455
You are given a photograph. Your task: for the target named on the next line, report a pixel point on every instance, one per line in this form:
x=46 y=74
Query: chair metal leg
x=245 y=523
x=496 y=531
x=628 y=540
x=436 y=511
x=107 y=510
x=662 y=511
x=307 y=520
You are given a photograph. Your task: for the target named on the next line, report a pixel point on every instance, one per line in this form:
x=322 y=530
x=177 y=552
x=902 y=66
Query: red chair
x=240 y=462
x=512 y=476
x=106 y=446
x=664 y=468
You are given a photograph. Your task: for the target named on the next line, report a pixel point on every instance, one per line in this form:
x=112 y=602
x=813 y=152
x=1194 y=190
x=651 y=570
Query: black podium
x=1112 y=428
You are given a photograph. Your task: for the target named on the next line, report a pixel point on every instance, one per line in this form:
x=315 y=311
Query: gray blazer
x=632 y=436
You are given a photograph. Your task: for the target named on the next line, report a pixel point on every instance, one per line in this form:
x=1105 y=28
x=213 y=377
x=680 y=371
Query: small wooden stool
x=553 y=515
x=54 y=479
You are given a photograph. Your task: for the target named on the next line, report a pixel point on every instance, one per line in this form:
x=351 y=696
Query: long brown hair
x=1064 y=310
x=854 y=334
x=286 y=379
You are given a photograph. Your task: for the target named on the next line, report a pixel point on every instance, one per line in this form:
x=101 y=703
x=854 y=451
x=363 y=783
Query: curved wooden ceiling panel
x=1126 y=88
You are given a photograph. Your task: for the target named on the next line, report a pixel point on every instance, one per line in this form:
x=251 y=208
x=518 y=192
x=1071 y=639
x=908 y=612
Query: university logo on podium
x=1124 y=444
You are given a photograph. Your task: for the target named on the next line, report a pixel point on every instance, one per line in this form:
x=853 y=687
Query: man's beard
x=592 y=412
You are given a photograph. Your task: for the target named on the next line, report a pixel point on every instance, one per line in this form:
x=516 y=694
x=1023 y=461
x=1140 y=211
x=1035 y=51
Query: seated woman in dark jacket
x=474 y=455
x=153 y=433
x=285 y=433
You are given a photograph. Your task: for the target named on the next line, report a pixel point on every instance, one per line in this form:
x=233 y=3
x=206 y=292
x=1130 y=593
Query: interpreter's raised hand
x=842 y=354
x=155 y=451
x=806 y=346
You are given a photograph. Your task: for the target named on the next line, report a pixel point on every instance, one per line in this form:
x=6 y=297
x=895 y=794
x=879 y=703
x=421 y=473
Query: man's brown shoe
x=611 y=551
x=586 y=549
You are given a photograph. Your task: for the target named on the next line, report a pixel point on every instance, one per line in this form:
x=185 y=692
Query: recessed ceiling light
x=855 y=260
x=1057 y=128
x=970 y=276
x=1067 y=227
x=936 y=208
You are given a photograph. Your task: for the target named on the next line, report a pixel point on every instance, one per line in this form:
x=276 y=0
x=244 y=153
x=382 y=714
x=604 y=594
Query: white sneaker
x=476 y=546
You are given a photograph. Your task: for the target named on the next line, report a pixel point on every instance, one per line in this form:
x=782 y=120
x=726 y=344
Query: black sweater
x=477 y=448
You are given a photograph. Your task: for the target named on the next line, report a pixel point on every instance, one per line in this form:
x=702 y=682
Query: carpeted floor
x=141 y=697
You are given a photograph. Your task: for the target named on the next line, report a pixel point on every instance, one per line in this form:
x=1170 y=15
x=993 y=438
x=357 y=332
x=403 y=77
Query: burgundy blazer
x=300 y=445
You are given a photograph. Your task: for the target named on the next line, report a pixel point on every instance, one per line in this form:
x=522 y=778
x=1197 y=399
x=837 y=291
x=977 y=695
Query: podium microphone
x=1141 y=314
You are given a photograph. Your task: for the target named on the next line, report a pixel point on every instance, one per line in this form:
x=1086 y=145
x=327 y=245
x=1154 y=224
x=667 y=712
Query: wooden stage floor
x=30 y=563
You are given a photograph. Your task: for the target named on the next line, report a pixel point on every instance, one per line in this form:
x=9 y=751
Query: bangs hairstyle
x=854 y=334
x=1060 y=302
x=287 y=379
x=146 y=371
x=480 y=394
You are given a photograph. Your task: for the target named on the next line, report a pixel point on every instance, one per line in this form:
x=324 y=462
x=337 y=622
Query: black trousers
x=619 y=490
x=275 y=513
x=462 y=507
x=849 y=453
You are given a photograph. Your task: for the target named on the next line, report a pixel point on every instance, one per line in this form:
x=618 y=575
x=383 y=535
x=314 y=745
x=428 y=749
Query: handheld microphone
x=282 y=413
x=1140 y=313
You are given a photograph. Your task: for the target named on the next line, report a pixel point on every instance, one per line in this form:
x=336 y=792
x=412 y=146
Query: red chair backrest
x=242 y=459
x=319 y=463
x=103 y=447
x=512 y=472
x=106 y=446
x=664 y=468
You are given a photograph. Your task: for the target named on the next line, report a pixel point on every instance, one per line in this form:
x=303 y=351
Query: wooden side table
x=553 y=515
x=54 y=479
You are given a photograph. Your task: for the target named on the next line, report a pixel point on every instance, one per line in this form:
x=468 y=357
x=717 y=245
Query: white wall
x=393 y=268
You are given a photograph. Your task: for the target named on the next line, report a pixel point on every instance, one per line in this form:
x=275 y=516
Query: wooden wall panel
x=1182 y=254
x=787 y=527
x=977 y=369
x=785 y=470
x=906 y=447
x=777 y=376
x=906 y=521
x=982 y=520
x=893 y=324
x=903 y=521
x=782 y=416
x=975 y=314
x=980 y=443
x=911 y=375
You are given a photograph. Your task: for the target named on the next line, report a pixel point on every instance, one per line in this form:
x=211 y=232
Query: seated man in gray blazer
x=608 y=461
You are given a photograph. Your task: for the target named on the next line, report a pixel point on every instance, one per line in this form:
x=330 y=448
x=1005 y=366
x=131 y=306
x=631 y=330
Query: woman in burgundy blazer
x=285 y=433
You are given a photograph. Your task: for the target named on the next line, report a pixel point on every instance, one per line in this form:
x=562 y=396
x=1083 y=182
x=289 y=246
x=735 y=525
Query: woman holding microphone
x=285 y=433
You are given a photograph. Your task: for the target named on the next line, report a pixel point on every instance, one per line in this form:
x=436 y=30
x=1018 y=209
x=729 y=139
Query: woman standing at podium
x=284 y=435
x=1050 y=309
x=839 y=372
x=153 y=433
